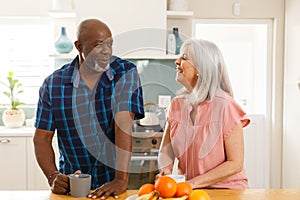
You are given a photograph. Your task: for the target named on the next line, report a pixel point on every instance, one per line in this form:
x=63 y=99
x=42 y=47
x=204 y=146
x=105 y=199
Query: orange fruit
x=166 y=186
x=145 y=189
x=198 y=195
x=183 y=188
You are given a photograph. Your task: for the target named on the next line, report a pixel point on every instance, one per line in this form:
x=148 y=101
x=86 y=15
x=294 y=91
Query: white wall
x=291 y=136
x=25 y=7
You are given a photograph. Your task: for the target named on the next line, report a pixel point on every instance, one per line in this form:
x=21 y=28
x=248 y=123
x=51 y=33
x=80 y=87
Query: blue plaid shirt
x=84 y=119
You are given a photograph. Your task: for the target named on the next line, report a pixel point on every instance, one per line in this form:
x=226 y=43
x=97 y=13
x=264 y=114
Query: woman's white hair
x=211 y=67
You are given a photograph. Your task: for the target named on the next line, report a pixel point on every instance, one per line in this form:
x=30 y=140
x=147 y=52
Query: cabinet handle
x=4 y=141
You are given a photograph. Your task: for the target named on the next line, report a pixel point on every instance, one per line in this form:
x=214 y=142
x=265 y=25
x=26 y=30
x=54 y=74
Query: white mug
x=177 y=177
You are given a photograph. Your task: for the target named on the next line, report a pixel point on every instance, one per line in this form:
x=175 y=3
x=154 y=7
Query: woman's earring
x=197 y=74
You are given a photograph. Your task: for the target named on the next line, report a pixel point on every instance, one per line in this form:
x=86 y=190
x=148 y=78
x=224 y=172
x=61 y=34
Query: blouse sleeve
x=172 y=110
x=233 y=115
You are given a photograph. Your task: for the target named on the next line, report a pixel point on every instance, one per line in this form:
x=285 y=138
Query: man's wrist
x=123 y=176
x=51 y=177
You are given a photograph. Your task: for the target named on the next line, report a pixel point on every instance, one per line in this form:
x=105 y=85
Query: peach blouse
x=199 y=146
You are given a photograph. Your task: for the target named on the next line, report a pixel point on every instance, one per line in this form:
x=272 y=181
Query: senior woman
x=204 y=128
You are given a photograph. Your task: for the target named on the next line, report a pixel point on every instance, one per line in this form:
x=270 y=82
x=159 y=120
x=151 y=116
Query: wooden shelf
x=179 y=14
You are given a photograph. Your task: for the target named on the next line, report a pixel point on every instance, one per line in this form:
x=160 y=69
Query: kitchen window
x=26 y=44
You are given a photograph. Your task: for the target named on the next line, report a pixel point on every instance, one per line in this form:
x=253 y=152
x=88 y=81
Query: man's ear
x=78 y=46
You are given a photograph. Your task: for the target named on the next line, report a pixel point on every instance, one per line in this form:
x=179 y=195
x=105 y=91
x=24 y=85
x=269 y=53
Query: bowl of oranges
x=166 y=188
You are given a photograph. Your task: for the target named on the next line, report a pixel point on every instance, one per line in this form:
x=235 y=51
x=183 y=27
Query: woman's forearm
x=215 y=175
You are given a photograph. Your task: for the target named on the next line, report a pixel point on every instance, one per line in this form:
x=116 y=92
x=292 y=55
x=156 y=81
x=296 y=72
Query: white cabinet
x=20 y=170
x=182 y=20
x=13 y=163
x=36 y=179
x=138 y=30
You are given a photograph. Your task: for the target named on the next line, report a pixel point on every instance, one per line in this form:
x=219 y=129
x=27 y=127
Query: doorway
x=246 y=46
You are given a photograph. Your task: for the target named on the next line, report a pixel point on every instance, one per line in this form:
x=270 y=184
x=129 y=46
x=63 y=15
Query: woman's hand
x=167 y=171
x=163 y=172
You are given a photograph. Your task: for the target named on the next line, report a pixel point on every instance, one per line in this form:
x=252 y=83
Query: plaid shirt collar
x=75 y=75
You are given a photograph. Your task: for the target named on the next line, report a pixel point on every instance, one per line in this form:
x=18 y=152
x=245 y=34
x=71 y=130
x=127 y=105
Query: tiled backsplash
x=158 y=78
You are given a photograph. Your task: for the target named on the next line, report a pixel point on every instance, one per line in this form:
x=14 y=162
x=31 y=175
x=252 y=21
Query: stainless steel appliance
x=145 y=144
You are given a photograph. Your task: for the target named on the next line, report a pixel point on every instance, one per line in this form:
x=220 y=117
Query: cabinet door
x=36 y=179
x=13 y=163
x=138 y=26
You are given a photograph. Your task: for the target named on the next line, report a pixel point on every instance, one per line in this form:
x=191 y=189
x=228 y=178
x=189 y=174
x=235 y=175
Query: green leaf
x=4 y=84
x=8 y=94
x=13 y=88
x=13 y=83
x=10 y=74
x=19 y=85
x=18 y=103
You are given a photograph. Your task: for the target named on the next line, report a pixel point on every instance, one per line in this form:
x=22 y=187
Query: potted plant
x=13 y=116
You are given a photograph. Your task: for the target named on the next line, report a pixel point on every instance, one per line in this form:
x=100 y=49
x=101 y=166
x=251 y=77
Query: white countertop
x=16 y=132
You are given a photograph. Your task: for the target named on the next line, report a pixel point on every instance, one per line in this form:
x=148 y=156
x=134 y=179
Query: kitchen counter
x=250 y=194
x=48 y=195
x=22 y=131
